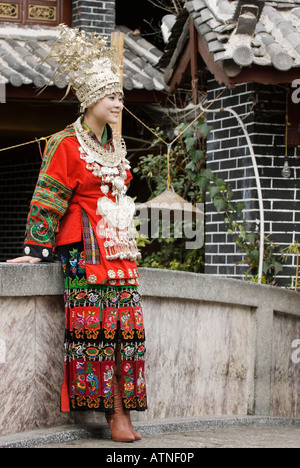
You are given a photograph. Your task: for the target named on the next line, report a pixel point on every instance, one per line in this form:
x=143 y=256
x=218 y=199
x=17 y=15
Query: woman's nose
x=120 y=104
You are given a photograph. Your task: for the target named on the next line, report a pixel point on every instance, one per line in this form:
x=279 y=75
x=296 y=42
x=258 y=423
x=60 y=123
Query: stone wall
x=215 y=346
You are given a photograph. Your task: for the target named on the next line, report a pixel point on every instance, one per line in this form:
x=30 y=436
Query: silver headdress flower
x=88 y=64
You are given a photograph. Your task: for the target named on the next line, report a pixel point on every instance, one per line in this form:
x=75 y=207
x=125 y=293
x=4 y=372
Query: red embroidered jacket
x=63 y=210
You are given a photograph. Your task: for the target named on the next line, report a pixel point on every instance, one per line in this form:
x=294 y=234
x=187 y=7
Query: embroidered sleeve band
x=49 y=203
x=51 y=194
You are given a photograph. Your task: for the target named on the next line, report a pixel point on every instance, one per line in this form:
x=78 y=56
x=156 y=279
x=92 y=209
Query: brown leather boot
x=137 y=435
x=118 y=421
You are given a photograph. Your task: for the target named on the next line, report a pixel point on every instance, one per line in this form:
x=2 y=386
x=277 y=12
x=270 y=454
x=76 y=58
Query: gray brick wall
x=18 y=179
x=263 y=111
x=94 y=16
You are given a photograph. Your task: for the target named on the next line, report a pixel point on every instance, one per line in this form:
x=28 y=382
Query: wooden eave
x=52 y=93
x=254 y=73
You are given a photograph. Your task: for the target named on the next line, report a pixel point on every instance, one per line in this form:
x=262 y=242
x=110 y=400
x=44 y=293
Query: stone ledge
x=46 y=279
x=22 y=279
x=206 y=333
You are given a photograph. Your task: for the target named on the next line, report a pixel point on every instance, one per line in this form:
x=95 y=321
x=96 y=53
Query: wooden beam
x=117 y=41
x=194 y=62
x=212 y=66
x=52 y=93
x=180 y=69
x=177 y=52
x=31 y=92
x=265 y=75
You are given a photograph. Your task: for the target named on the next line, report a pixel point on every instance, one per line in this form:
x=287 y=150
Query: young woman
x=81 y=211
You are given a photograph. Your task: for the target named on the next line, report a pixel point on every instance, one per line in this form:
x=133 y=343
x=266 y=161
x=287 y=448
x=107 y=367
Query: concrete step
x=100 y=434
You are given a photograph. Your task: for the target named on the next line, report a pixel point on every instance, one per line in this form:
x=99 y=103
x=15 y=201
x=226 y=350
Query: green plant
x=192 y=181
x=245 y=234
x=292 y=250
x=250 y=243
x=186 y=161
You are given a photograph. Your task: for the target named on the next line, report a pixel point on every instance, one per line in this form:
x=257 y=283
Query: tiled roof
x=22 y=47
x=140 y=63
x=242 y=33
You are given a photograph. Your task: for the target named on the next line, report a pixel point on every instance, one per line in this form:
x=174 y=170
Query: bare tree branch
x=178 y=5
x=175 y=7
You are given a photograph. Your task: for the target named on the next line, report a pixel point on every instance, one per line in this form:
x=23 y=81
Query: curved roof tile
x=22 y=48
x=242 y=33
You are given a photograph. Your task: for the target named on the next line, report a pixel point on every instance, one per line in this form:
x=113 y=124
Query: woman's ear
x=90 y=108
x=86 y=111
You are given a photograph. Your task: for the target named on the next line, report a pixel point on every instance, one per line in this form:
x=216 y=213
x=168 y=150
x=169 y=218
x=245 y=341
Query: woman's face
x=108 y=109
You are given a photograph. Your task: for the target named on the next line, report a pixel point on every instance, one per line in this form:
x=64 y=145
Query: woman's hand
x=26 y=259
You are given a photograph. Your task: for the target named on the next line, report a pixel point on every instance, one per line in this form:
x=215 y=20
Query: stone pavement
x=241 y=437
x=186 y=434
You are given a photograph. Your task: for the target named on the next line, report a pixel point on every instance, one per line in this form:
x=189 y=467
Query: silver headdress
x=88 y=64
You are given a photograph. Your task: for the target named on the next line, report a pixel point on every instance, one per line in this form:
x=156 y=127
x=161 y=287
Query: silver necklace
x=96 y=153
x=116 y=225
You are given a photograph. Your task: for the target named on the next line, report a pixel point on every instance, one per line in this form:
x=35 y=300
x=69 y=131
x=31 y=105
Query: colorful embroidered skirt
x=100 y=319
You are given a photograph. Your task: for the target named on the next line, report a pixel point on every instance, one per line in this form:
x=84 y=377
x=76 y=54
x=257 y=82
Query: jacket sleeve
x=49 y=202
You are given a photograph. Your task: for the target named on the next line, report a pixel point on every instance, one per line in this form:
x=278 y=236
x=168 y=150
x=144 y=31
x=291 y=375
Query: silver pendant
x=105 y=189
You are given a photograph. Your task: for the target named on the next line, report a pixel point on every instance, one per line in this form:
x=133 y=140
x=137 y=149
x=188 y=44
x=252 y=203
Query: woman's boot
x=136 y=434
x=118 y=420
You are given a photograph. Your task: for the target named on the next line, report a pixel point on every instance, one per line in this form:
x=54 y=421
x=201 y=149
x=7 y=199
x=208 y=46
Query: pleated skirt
x=104 y=334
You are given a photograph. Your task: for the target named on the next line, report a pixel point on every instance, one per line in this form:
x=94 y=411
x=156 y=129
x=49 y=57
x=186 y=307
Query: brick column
x=94 y=16
x=263 y=109
x=228 y=156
